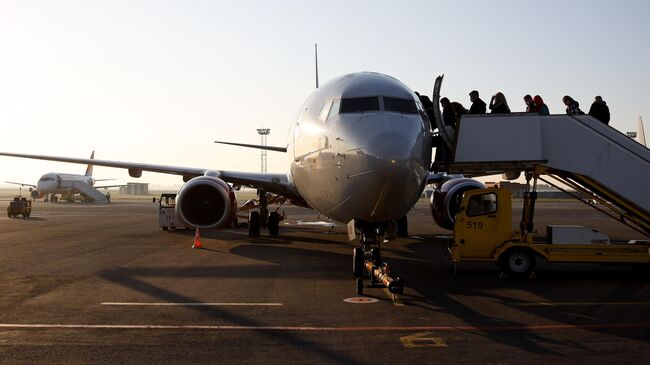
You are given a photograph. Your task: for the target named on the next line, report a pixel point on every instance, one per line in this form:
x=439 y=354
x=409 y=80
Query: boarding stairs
x=91 y=194
x=577 y=150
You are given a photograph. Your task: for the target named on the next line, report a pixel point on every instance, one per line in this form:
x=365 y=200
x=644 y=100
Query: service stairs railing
x=580 y=151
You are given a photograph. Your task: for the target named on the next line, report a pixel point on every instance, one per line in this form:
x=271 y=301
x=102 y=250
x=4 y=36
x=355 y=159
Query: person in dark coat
x=572 y=106
x=498 y=104
x=541 y=107
x=600 y=110
x=478 y=105
x=530 y=105
x=451 y=111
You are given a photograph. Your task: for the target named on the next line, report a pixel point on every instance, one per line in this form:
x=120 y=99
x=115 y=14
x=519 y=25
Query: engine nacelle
x=446 y=200
x=206 y=202
x=35 y=194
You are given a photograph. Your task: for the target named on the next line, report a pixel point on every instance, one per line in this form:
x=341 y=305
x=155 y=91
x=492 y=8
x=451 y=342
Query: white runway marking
x=552 y=304
x=192 y=304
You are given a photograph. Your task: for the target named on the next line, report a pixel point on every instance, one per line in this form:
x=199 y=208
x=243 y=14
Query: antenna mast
x=316 y=56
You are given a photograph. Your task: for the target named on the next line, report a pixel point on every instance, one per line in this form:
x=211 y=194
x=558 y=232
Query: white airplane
x=359 y=153
x=67 y=185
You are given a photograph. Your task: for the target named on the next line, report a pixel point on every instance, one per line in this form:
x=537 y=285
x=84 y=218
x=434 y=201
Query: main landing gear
x=367 y=262
x=263 y=218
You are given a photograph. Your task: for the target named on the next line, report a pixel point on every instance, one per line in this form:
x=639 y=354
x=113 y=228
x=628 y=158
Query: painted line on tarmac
x=542 y=327
x=193 y=304
x=557 y=304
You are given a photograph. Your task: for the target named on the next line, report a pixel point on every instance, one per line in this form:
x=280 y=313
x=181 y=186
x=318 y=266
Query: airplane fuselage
x=56 y=183
x=361 y=148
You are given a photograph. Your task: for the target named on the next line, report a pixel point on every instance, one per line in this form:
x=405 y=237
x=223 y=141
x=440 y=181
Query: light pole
x=261 y=193
x=263 y=132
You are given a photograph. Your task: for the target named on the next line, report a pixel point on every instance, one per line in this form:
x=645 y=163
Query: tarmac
x=93 y=283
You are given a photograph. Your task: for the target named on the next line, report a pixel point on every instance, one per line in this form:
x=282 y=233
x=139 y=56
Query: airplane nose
x=389 y=166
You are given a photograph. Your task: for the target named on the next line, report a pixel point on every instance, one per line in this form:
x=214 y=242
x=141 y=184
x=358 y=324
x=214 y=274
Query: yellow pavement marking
x=422 y=339
x=394 y=297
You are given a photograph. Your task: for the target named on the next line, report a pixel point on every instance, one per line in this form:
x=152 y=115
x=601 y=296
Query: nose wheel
x=367 y=263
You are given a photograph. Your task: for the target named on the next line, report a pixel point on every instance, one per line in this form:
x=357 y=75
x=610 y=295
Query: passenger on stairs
x=572 y=106
x=541 y=107
x=451 y=112
x=600 y=110
x=498 y=104
x=530 y=105
x=478 y=105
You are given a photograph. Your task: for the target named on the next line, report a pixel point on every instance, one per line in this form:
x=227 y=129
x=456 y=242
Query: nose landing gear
x=367 y=262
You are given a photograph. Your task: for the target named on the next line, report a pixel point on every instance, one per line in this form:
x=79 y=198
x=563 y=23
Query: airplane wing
x=274 y=183
x=108 y=186
x=21 y=184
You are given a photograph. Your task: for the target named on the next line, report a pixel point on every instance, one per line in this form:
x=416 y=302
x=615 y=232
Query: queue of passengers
x=499 y=105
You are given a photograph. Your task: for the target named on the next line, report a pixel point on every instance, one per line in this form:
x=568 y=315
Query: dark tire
x=403 y=227
x=254 y=224
x=518 y=262
x=273 y=224
x=358 y=261
x=165 y=228
x=359 y=286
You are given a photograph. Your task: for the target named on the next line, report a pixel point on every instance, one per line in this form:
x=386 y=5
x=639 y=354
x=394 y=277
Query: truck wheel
x=519 y=263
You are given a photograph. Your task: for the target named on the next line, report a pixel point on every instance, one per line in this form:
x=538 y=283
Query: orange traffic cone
x=197 y=239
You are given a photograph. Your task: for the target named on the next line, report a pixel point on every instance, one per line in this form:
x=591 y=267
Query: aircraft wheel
x=274 y=224
x=165 y=228
x=403 y=227
x=359 y=286
x=519 y=263
x=358 y=262
x=254 y=224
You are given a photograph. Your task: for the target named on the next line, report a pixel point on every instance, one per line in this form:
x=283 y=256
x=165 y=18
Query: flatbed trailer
x=483 y=232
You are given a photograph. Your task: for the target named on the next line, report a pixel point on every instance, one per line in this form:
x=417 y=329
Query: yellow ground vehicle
x=19 y=206
x=483 y=232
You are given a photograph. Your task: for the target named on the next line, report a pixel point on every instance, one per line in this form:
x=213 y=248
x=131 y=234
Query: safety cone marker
x=197 y=239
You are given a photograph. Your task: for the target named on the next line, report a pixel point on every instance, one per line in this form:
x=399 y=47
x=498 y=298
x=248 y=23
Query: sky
x=158 y=81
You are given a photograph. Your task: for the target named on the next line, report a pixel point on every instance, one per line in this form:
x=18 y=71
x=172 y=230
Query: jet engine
x=35 y=194
x=206 y=202
x=446 y=200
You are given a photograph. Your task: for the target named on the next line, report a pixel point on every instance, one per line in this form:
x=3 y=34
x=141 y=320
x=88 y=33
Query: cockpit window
x=359 y=105
x=403 y=106
x=325 y=111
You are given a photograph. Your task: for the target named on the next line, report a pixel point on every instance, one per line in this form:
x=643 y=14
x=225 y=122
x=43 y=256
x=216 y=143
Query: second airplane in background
x=67 y=185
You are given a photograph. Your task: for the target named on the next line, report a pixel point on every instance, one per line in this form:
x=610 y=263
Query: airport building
x=135 y=189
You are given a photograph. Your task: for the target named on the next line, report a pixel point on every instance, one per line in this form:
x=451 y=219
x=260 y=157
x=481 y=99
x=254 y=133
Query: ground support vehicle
x=483 y=232
x=19 y=206
x=167 y=219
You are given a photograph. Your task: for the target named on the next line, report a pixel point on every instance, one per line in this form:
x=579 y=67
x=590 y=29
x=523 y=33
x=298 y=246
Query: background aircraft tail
x=640 y=133
x=89 y=169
